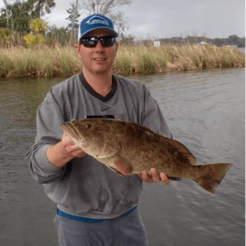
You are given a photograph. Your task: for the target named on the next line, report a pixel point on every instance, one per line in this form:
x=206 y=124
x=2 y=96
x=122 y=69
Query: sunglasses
x=106 y=41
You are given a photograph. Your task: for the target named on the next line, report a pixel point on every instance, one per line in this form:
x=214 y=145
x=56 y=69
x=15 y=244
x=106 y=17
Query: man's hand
x=64 y=151
x=70 y=149
x=154 y=176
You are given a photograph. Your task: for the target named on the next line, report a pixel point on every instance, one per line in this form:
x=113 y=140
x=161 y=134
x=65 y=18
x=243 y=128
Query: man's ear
x=77 y=47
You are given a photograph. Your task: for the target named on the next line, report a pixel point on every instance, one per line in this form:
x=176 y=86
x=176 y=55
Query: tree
x=241 y=42
x=58 y=35
x=234 y=39
x=106 y=7
x=73 y=25
x=16 y=16
x=33 y=39
x=41 y=7
x=127 y=40
x=38 y=27
x=5 y=15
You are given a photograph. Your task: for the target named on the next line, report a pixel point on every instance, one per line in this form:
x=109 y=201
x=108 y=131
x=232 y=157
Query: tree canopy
x=16 y=16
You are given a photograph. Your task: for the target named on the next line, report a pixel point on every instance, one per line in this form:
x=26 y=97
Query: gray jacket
x=85 y=187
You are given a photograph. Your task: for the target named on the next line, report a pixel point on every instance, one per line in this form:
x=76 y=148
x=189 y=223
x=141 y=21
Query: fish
x=138 y=148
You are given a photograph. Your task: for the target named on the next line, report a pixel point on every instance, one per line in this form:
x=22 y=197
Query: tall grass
x=41 y=61
x=176 y=58
x=44 y=61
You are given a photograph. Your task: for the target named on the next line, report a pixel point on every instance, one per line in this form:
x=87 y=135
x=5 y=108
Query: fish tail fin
x=211 y=175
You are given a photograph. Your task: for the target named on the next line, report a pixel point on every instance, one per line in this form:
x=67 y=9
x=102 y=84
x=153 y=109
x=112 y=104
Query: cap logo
x=94 y=22
x=98 y=20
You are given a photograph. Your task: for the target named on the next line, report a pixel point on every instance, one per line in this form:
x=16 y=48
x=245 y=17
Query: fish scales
x=137 y=148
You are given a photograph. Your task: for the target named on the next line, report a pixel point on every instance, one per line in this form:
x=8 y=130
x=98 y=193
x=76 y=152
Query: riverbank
x=44 y=61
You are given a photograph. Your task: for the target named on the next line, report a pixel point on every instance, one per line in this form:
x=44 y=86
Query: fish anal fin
x=115 y=170
x=117 y=164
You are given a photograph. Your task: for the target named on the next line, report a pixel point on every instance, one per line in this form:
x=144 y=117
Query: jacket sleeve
x=49 y=118
x=152 y=116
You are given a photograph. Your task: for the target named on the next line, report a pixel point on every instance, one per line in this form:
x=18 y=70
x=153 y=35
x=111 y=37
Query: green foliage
x=5 y=36
x=34 y=39
x=16 y=17
x=21 y=24
x=38 y=25
x=57 y=36
x=3 y=22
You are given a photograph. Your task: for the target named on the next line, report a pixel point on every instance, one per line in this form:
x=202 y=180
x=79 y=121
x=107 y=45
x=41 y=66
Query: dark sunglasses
x=106 y=41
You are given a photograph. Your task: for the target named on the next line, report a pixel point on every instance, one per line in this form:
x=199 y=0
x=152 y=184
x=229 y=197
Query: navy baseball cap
x=96 y=21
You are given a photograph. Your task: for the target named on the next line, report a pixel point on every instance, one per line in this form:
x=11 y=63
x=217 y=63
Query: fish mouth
x=70 y=129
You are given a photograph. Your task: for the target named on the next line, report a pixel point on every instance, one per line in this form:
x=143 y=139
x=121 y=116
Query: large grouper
x=138 y=148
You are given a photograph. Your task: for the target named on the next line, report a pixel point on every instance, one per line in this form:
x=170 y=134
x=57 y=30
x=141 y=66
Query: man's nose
x=99 y=45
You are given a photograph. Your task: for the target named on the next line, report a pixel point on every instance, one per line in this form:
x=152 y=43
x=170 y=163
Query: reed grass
x=41 y=61
x=44 y=61
x=176 y=58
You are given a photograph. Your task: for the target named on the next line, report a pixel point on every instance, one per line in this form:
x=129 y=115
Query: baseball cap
x=96 y=21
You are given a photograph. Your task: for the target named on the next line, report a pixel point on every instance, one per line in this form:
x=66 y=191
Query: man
x=95 y=206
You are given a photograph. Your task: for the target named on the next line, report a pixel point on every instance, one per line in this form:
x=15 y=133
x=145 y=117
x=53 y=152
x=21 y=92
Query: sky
x=165 y=19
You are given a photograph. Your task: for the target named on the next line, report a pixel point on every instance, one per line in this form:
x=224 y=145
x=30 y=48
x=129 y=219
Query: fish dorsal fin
x=174 y=143
x=143 y=129
x=182 y=149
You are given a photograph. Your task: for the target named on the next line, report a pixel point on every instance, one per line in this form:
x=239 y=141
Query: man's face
x=99 y=59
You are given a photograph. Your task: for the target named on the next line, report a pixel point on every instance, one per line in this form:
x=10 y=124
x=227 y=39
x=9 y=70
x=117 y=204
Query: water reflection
x=19 y=99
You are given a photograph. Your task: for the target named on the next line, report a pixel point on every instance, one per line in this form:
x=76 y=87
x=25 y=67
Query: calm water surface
x=205 y=111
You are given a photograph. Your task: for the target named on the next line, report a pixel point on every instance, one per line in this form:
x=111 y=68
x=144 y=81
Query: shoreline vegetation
x=45 y=61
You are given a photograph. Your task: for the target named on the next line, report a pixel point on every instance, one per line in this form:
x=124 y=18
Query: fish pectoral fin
x=108 y=151
x=108 y=155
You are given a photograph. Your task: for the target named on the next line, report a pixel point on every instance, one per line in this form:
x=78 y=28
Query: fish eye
x=88 y=126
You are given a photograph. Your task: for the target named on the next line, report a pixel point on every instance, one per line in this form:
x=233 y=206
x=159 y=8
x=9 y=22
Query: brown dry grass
x=44 y=61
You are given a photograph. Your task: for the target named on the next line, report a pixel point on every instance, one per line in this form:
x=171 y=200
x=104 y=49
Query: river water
x=204 y=110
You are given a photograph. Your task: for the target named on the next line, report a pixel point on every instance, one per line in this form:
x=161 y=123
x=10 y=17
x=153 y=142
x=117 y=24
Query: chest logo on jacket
x=106 y=116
